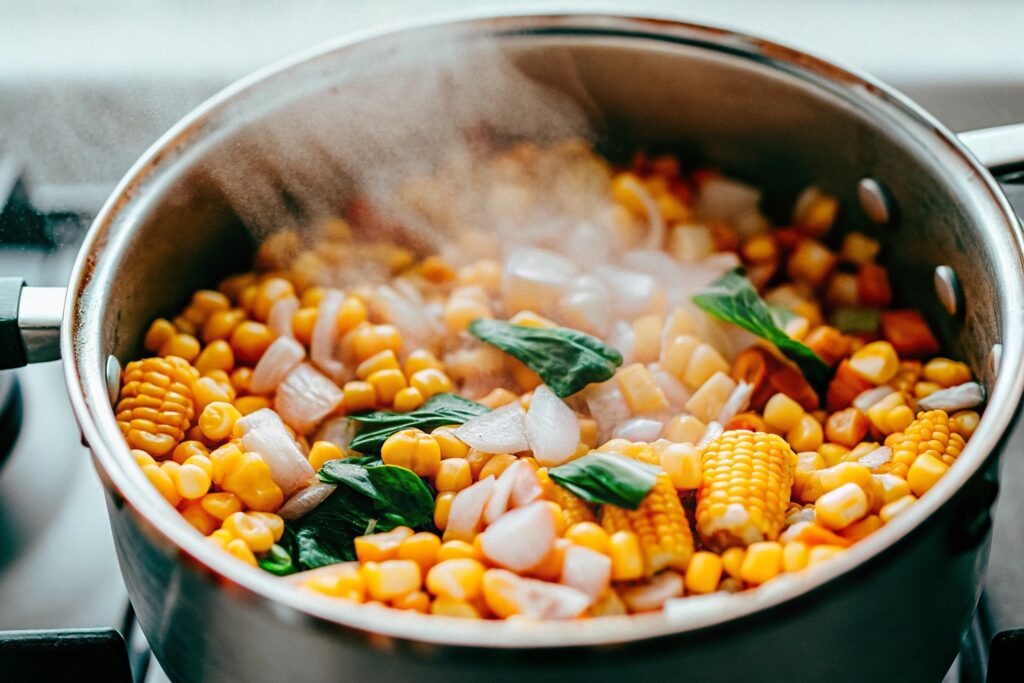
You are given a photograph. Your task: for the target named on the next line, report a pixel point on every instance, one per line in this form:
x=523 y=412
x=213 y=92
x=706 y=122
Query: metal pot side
x=895 y=605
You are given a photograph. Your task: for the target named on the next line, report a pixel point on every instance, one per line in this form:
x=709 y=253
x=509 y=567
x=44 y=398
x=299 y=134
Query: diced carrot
x=828 y=343
x=787 y=238
x=749 y=421
x=909 y=333
x=873 y=286
x=769 y=376
x=846 y=385
x=724 y=237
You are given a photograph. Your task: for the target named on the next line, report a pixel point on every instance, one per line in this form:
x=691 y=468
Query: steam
x=411 y=138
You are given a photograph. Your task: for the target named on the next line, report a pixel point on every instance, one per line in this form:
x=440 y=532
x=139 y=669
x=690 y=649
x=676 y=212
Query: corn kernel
x=675 y=355
x=876 y=362
x=221 y=504
x=811 y=262
x=878 y=414
x=250 y=404
x=272 y=522
x=795 y=556
x=358 y=397
x=252 y=530
x=457 y=579
x=373 y=339
x=417 y=601
x=241 y=550
x=391 y=579
x=182 y=345
x=351 y=313
x=221 y=324
x=831 y=478
x=414 y=450
x=704 y=362
x=456 y=549
x=498 y=397
x=199 y=518
x=186 y=449
x=303 y=322
x=847 y=427
x=782 y=413
x=408 y=399
x=703 y=572
x=863 y=528
x=269 y=292
x=890 y=510
x=925 y=471
x=451 y=446
x=421 y=359
x=221 y=538
x=806 y=435
x=339 y=581
x=684 y=429
x=589 y=535
x=964 y=423
x=442 y=506
x=453 y=474
x=193 y=481
x=160 y=332
x=241 y=380
x=832 y=453
x=647 y=338
x=820 y=553
x=898 y=419
x=216 y=356
x=381 y=547
x=495 y=465
x=859 y=248
x=218 y=420
x=322 y=452
x=386 y=384
x=762 y=562
x=710 y=398
x=841 y=507
x=461 y=310
x=252 y=482
x=681 y=462
x=421 y=548
x=163 y=482
x=430 y=382
x=249 y=340
x=446 y=607
x=732 y=561
x=885 y=488
x=385 y=360
x=627 y=560
x=207 y=390
x=946 y=372
x=141 y=457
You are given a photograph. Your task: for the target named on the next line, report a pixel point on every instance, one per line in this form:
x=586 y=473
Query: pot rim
x=129 y=487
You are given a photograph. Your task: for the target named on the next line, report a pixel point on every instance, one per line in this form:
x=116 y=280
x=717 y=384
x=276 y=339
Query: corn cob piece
x=574 y=509
x=661 y=525
x=156 y=406
x=930 y=433
x=746 y=482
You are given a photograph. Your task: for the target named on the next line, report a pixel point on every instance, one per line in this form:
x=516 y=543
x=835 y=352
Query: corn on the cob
x=930 y=433
x=661 y=525
x=156 y=406
x=574 y=509
x=745 y=488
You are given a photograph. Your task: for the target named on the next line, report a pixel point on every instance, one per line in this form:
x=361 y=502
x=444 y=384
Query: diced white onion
x=876 y=458
x=607 y=406
x=502 y=430
x=534 y=279
x=960 y=397
x=466 y=513
x=305 y=397
x=551 y=428
x=584 y=306
x=723 y=198
x=325 y=335
x=586 y=570
x=264 y=433
x=622 y=338
x=280 y=319
x=338 y=430
x=655 y=236
x=520 y=538
x=632 y=293
x=674 y=390
x=870 y=397
x=737 y=402
x=639 y=429
x=305 y=500
x=280 y=358
x=711 y=432
x=653 y=593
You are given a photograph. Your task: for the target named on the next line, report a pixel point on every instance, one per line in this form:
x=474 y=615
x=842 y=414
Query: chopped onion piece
x=551 y=428
x=264 y=433
x=304 y=500
x=722 y=198
x=711 y=432
x=466 y=512
x=337 y=430
x=876 y=458
x=305 y=397
x=280 y=358
x=502 y=430
x=521 y=538
x=586 y=570
x=870 y=397
x=656 y=263
x=607 y=406
x=534 y=279
x=960 y=397
x=654 y=592
x=584 y=306
x=500 y=500
x=674 y=390
x=737 y=402
x=633 y=293
x=639 y=429
x=588 y=243
x=526 y=488
x=404 y=308
x=325 y=335
x=623 y=339
x=280 y=319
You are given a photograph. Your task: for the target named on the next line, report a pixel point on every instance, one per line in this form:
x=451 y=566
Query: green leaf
x=852 y=319
x=440 y=410
x=567 y=360
x=370 y=498
x=732 y=298
x=277 y=561
x=607 y=478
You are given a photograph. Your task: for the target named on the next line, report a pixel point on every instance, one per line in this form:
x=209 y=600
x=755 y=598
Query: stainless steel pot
x=894 y=606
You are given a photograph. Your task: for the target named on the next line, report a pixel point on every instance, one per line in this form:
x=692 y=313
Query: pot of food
x=487 y=402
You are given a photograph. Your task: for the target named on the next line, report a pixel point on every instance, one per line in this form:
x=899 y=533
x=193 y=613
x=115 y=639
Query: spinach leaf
x=604 y=477
x=440 y=410
x=732 y=298
x=567 y=360
x=277 y=561
x=369 y=498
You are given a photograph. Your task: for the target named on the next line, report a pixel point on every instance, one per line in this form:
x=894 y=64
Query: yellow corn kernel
x=451 y=446
x=806 y=464
x=417 y=601
x=421 y=548
x=303 y=322
x=460 y=310
x=453 y=474
x=358 y=397
x=496 y=465
x=795 y=556
x=684 y=429
x=269 y=292
x=647 y=338
x=442 y=506
x=421 y=359
x=220 y=324
x=589 y=535
x=414 y=450
x=781 y=413
x=382 y=546
x=312 y=296
x=386 y=384
x=710 y=398
x=588 y=431
x=241 y=379
x=477 y=460
x=703 y=573
x=964 y=423
x=385 y=360
x=820 y=553
x=455 y=549
x=660 y=525
x=143 y=458
x=841 y=507
x=322 y=452
x=946 y=372
x=181 y=345
x=160 y=332
x=351 y=314
x=250 y=404
x=221 y=505
x=408 y=399
x=898 y=419
x=199 y=518
x=806 y=435
x=241 y=550
x=732 y=560
x=762 y=562
x=338 y=581
x=372 y=339
x=642 y=393
x=929 y=434
x=676 y=354
x=810 y=262
x=193 y=480
x=208 y=390
x=430 y=382
x=272 y=522
x=704 y=362
x=822 y=481
x=498 y=397
x=681 y=462
x=745 y=488
x=218 y=420
x=186 y=449
x=251 y=481
x=163 y=482
x=249 y=340
x=574 y=509
x=216 y=356
x=924 y=389
x=832 y=453
x=890 y=510
x=391 y=579
x=457 y=579
x=876 y=362
x=627 y=560
x=446 y=607
x=924 y=473
x=863 y=528
x=252 y=530
x=885 y=488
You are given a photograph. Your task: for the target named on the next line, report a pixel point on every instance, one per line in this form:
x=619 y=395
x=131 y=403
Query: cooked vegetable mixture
x=661 y=396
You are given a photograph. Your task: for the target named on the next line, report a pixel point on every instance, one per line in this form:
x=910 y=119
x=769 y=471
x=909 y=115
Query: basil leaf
x=732 y=298
x=277 y=561
x=567 y=360
x=440 y=410
x=607 y=478
x=369 y=498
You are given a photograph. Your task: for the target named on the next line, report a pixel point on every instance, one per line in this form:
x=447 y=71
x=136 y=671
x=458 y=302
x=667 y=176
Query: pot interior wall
x=299 y=147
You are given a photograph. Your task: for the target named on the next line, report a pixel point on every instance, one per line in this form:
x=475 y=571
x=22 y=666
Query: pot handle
x=29 y=323
x=998 y=147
